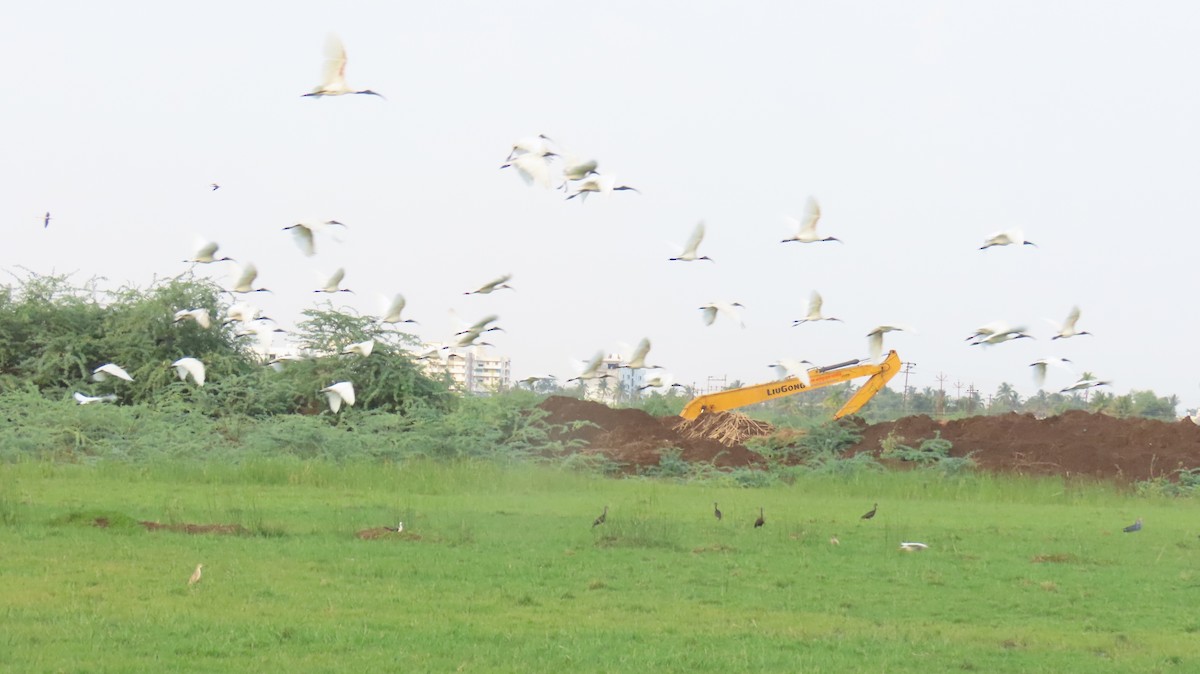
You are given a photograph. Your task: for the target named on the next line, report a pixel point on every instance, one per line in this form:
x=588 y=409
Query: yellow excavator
x=880 y=374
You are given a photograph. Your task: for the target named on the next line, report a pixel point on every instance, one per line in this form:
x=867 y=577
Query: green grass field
x=500 y=570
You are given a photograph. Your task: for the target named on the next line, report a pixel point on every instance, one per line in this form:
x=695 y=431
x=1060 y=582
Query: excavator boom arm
x=879 y=374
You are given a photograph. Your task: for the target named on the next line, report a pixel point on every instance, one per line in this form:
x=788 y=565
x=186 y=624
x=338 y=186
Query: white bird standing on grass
x=336 y=394
x=189 y=366
x=729 y=309
x=87 y=400
x=333 y=77
x=806 y=226
x=913 y=547
x=200 y=316
x=195 y=575
x=814 y=311
x=110 y=370
x=690 y=248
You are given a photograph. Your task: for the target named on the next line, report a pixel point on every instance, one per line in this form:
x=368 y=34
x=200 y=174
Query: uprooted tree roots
x=727 y=428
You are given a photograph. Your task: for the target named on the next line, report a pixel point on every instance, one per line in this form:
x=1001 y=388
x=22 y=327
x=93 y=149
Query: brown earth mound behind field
x=636 y=439
x=1074 y=443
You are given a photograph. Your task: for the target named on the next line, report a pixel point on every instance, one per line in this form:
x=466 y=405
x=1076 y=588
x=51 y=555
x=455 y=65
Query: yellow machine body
x=879 y=375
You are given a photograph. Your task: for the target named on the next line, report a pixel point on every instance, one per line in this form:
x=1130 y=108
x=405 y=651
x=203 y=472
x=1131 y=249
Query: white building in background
x=621 y=384
x=472 y=369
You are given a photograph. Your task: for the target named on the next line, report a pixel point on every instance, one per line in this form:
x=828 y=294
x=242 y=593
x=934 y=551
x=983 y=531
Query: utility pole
x=958 y=393
x=971 y=398
x=940 y=409
x=908 y=367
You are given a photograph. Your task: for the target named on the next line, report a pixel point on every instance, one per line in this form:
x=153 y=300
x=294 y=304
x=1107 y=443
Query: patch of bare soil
x=225 y=529
x=377 y=533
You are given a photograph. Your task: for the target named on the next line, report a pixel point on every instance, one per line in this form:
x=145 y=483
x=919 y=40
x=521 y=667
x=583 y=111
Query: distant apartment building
x=473 y=370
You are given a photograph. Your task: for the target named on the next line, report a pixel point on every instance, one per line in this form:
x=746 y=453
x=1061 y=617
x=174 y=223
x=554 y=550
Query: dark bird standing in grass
x=716 y=511
x=1136 y=526
x=871 y=513
x=602 y=518
x=760 y=521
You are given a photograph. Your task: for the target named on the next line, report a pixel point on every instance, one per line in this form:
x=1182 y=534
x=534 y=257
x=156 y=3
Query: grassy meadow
x=500 y=570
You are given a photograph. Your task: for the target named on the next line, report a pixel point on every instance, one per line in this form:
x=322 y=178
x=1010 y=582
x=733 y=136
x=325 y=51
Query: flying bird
x=481 y=326
x=206 y=253
x=875 y=338
x=215 y=187
x=1136 y=526
x=592 y=369
x=724 y=308
x=534 y=168
x=638 y=360
x=391 y=313
x=540 y=145
x=605 y=184
x=110 y=370
x=806 y=226
x=1002 y=333
x=245 y=282
x=1068 y=329
x=492 y=286
x=690 y=248
x=244 y=313
x=787 y=368
x=814 y=311
x=46 y=221
x=336 y=394
x=195 y=575
x=199 y=316
x=305 y=234
x=87 y=400
x=333 y=282
x=363 y=349
x=333 y=79
x=1086 y=382
x=1007 y=238
x=190 y=366
x=661 y=381
x=1039 y=368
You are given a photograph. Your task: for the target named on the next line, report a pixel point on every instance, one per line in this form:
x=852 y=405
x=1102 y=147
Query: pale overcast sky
x=921 y=127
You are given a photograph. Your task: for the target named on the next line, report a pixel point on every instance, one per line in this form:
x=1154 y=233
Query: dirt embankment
x=1072 y=444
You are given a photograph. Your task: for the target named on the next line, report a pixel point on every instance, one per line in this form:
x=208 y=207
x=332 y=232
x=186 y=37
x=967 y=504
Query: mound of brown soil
x=634 y=438
x=1071 y=444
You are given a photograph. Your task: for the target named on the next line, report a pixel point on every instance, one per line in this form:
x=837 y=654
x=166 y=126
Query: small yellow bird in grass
x=834 y=540
x=195 y=575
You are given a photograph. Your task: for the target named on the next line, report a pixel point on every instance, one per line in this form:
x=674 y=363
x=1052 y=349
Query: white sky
x=920 y=126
